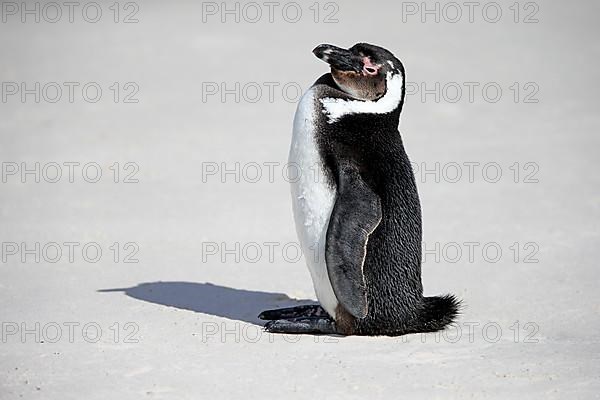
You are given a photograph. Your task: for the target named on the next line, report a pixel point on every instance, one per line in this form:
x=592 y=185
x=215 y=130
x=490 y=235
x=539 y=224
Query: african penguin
x=356 y=205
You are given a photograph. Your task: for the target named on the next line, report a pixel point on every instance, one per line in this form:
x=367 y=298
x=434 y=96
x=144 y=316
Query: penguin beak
x=339 y=59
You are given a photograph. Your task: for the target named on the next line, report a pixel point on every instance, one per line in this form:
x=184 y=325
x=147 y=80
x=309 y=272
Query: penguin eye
x=370 y=70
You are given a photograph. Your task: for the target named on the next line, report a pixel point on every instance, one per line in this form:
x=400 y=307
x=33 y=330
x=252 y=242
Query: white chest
x=312 y=199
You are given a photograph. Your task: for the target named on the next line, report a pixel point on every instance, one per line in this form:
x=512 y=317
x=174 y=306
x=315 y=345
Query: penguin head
x=362 y=71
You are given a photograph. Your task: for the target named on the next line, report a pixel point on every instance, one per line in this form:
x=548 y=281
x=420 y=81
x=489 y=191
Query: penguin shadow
x=207 y=298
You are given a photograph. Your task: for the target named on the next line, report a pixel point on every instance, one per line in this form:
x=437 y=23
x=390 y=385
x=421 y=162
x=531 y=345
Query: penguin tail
x=436 y=313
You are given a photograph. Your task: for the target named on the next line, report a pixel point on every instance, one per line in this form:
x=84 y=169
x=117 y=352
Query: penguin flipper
x=355 y=215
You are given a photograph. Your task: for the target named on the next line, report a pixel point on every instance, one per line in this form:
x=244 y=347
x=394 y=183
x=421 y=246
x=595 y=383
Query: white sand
x=193 y=315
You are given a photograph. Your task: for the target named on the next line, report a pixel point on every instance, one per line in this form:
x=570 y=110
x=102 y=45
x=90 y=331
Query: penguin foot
x=294 y=312
x=324 y=325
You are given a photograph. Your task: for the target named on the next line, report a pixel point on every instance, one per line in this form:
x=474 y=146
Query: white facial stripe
x=337 y=108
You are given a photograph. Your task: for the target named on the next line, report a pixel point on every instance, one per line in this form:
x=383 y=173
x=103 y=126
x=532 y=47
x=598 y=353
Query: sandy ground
x=214 y=248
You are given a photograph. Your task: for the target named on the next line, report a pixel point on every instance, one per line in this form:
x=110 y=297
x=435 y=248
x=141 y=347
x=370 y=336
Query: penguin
x=356 y=206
